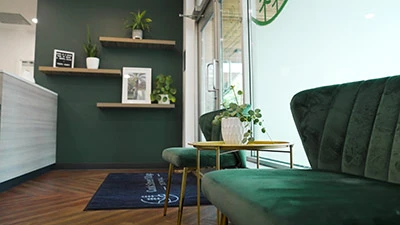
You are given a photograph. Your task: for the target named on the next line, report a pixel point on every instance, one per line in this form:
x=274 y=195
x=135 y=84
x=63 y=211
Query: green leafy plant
x=138 y=21
x=89 y=47
x=244 y=113
x=163 y=86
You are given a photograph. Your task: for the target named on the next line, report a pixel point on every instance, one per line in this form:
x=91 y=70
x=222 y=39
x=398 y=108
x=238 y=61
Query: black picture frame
x=62 y=58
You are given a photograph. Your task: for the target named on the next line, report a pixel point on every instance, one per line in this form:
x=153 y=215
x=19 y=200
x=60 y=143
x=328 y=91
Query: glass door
x=231 y=24
x=208 y=79
x=220 y=35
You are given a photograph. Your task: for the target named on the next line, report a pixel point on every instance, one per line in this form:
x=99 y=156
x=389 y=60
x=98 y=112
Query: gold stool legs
x=170 y=171
x=224 y=220
x=182 y=196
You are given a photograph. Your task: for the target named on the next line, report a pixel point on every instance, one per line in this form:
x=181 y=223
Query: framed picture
x=63 y=58
x=136 y=85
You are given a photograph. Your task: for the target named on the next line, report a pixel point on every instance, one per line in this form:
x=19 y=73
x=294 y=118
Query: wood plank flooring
x=59 y=197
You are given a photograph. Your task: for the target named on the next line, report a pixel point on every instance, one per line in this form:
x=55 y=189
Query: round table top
x=250 y=145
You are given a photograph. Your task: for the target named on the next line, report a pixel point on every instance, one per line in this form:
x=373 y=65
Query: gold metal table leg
x=198 y=184
x=291 y=156
x=224 y=220
x=218 y=167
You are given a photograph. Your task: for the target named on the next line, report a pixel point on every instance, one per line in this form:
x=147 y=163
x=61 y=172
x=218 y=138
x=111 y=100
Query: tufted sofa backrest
x=352 y=128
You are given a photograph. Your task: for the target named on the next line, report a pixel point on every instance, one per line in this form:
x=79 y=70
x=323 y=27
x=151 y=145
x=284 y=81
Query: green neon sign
x=267 y=11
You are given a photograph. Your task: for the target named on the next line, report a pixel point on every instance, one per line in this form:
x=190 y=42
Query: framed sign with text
x=63 y=58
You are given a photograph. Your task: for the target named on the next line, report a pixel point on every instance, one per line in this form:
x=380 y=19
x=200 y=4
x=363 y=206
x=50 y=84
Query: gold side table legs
x=224 y=220
x=267 y=146
x=198 y=184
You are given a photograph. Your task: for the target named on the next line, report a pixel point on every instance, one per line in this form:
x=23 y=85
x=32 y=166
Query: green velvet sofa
x=351 y=135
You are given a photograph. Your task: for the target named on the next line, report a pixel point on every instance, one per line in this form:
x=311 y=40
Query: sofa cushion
x=286 y=197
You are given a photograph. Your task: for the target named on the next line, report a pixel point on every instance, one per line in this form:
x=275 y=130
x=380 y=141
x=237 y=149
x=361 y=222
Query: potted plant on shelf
x=163 y=92
x=236 y=121
x=138 y=23
x=92 y=61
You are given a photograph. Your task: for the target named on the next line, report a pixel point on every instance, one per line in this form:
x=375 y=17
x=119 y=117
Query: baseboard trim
x=23 y=178
x=110 y=166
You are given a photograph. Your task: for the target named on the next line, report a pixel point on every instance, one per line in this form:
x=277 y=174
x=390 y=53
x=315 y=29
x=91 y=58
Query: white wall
x=16 y=45
x=17 y=42
x=189 y=76
x=320 y=43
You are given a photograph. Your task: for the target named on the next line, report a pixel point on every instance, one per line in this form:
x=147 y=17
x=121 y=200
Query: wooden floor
x=59 y=197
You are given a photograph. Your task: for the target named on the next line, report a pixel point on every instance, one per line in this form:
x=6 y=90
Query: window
x=315 y=43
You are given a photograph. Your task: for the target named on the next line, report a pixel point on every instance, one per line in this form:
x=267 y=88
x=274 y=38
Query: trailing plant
x=89 y=47
x=138 y=21
x=163 y=86
x=244 y=113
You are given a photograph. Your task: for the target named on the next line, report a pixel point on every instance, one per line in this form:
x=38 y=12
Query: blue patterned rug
x=142 y=190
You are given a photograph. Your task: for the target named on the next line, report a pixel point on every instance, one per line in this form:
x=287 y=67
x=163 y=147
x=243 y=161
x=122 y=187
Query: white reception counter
x=28 y=126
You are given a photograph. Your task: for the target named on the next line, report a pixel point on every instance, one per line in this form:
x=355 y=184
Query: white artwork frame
x=134 y=90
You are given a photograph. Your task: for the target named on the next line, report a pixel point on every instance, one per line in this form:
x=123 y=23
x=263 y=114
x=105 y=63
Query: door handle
x=214 y=75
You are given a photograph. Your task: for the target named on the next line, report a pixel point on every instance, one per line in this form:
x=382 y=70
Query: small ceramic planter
x=92 y=62
x=137 y=34
x=163 y=96
x=232 y=130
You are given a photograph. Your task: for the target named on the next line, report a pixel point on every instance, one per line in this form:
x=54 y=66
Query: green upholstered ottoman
x=351 y=135
x=186 y=157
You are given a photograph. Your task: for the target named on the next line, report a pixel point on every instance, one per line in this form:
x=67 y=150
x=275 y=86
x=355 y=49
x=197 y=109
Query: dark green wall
x=90 y=135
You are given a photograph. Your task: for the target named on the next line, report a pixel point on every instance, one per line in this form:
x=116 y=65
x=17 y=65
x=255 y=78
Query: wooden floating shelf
x=129 y=42
x=79 y=71
x=124 y=105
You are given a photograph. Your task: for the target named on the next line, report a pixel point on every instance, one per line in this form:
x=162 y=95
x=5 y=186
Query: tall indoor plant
x=92 y=61
x=236 y=121
x=138 y=23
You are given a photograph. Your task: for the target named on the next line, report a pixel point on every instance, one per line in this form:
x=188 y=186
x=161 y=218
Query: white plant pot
x=137 y=34
x=164 y=102
x=232 y=130
x=92 y=62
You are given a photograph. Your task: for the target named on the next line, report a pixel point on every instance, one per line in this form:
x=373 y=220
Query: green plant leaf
x=89 y=48
x=138 y=21
x=163 y=86
x=243 y=112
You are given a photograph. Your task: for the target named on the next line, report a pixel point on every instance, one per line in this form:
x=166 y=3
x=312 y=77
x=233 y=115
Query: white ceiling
x=27 y=8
